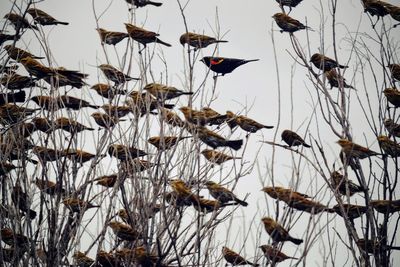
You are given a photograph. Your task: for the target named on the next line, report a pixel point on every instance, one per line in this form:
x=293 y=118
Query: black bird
x=12 y=97
x=223 y=65
x=142 y=3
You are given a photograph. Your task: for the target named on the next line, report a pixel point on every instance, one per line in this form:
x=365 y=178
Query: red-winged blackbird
x=12 y=97
x=142 y=3
x=17 y=82
x=49 y=187
x=392 y=127
x=216 y=157
x=214 y=140
x=385 y=206
x=288 y=24
x=75 y=103
x=125 y=153
x=273 y=254
x=22 y=201
x=289 y=3
x=43 y=124
x=392 y=96
x=79 y=155
x=351 y=211
x=35 y=68
x=250 y=125
x=107 y=91
x=7 y=37
x=47 y=154
x=293 y=139
x=17 y=53
x=223 y=194
x=116 y=111
x=10 y=113
x=336 y=80
x=165 y=142
x=277 y=232
x=164 y=92
x=115 y=75
x=105 y=120
x=388 y=146
x=198 y=41
x=19 y=22
x=325 y=63
x=124 y=231
x=42 y=18
x=222 y=65
x=82 y=260
x=78 y=205
x=231 y=119
x=234 y=258
x=352 y=150
x=202 y=117
x=171 y=118
x=70 y=125
x=214 y=118
x=6 y=167
x=111 y=38
x=143 y=36
x=341 y=184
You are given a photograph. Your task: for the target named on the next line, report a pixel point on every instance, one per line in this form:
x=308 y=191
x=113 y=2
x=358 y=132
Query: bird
x=336 y=80
x=385 y=206
x=273 y=254
x=108 y=91
x=49 y=187
x=250 y=125
x=198 y=41
x=388 y=146
x=17 y=53
x=352 y=150
x=78 y=205
x=341 y=184
x=392 y=127
x=234 y=258
x=293 y=139
x=231 y=119
x=206 y=205
x=8 y=37
x=283 y=194
x=139 y=165
x=105 y=120
x=325 y=63
x=110 y=37
x=42 y=18
x=48 y=154
x=43 y=124
x=165 y=142
x=70 y=125
x=47 y=102
x=107 y=180
x=144 y=103
x=82 y=260
x=107 y=259
x=35 y=68
x=221 y=65
x=214 y=140
x=116 y=111
x=394 y=12
x=12 y=97
x=22 y=200
x=6 y=167
x=171 y=118
x=201 y=117
x=124 y=231
x=164 y=92
x=142 y=3
x=143 y=36
x=289 y=3
x=277 y=232
x=75 y=103
x=182 y=192
x=125 y=153
x=217 y=157
x=115 y=75
x=19 y=22
x=15 y=240
x=288 y=24
x=392 y=96
x=79 y=155
x=350 y=211
x=11 y=113
x=145 y=258
x=222 y=194
x=17 y=82
x=214 y=118
x=10 y=151
x=375 y=8
x=63 y=77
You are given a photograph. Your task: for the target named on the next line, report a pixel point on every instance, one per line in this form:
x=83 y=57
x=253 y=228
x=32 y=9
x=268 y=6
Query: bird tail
x=32 y=161
x=235 y=144
x=306 y=145
x=342 y=66
x=154 y=3
x=268 y=127
x=221 y=41
x=241 y=202
x=89 y=129
x=62 y=22
x=169 y=106
x=163 y=43
x=187 y=93
x=19 y=96
x=296 y=240
x=251 y=60
x=94 y=106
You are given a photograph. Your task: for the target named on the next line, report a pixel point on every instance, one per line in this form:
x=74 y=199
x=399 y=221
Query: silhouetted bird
x=288 y=24
x=394 y=12
x=289 y=3
x=111 y=38
x=22 y=200
x=351 y=211
x=277 y=232
x=325 y=63
x=75 y=103
x=12 y=97
x=198 y=41
x=222 y=65
x=42 y=18
x=293 y=139
x=336 y=80
x=214 y=140
x=19 y=22
x=115 y=75
x=375 y=8
x=385 y=206
x=143 y=36
x=17 y=82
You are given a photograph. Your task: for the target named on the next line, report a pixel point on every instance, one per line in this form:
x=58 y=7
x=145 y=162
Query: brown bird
x=125 y=153
x=336 y=80
x=325 y=63
x=352 y=150
x=216 y=156
x=273 y=254
x=293 y=139
x=115 y=75
x=107 y=259
x=277 y=232
x=394 y=12
x=82 y=260
x=47 y=154
x=6 y=167
x=223 y=194
x=124 y=231
x=139 y=165
x=171 y=118
x=79 y=155
x=143 y=36
x=35 y=68
x=49 y=187
x=200 y=117
x=250 y=125
x=12 y=97
x=10 y=113
x=7 y=37
x=22 y=129
x=47 y=102
x=77 y=205
x=206 y=205
x=142 y=3
x=22 y=200
x=70 y=125
x=17 y=82
x=340 y=184
x=231 y=119
x=289 y=3
x=299 y=202
x=17 y=53
x=111 y=38
x=75 y=103
x=288 y=24
x=107 y=180
x=13 y=239
x=145 y=258
x=235 y=259
x=42 y=18
x=165 y=142
x=43 y=124
x=198 y=41
x=392 y=127
x=116 y=111
x=107 y=91
x=283 y=194
x=183 y=192
x=375 y=8
x=214 y=140
x=58 y=80
x=214 y=118
x=351 y=211
x=390 y=147
x=19 y=22
x=164 y=92
x=175 y=199
x=385 y=206
x=105 y=120
x=144 y=103
x=392 y=96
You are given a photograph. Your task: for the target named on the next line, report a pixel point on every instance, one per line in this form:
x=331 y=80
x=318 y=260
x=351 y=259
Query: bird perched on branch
x=325 y=63
x=235 y=259
x=277 y=232
x=82 y=260
x=47 y=154
x=143 y=36
x=164 y=92
x=394 y=12
x=13 y=239
x=19 y=22
x=43 y=124
x=12 y=97
x=392 y=96
x=125 y=153
x=124 y=231
x=105 y=120
x=385 y=206
x=214 y=118
x=223 y=194
x=165 y=142
x=11 y=113
x=352 y=150
x=390 y=147
x=70 y=125
x=115 y=75
x=107 y=91
x=198 y=41
x=116 y=111
x=111 y=38
x=15 y=81
x=107 y=180
x=79 y=155
x=171 y=118
x=392 y=127
x=231 y=119
x=341 y=184
x=216 y=156
x=75 y=103
x=289 y=3
x=293 y=139
x=35 y=68
x=201 y=117
x=273 y=254
x=142 y=3
x=42 y=18
x=336 y=80
x=221 y=65
x=17 y=53
x=250 y=125
x=214 y=140
x=350 y=210
x=375 y=8
x=49 y=187
x=78 y=205
x=288 y=24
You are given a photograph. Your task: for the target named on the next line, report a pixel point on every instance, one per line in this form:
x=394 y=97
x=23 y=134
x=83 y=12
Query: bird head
x=388 y=122
x=314 y=57
x=383 y=138
x=206 y=60
x=184 y=38
x=210 y=183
